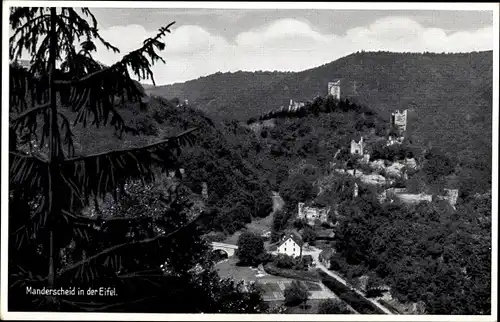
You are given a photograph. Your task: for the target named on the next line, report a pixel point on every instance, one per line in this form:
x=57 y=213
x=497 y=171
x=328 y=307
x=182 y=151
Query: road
x=314 y=252
x=278 y=202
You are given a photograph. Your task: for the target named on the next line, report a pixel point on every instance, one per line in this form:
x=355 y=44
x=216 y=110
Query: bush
x=271 y=269
x=284 y=261
x=307 y=260
x=309 y=235
x=330 y=306
x=214 y=236
x=300 y=223
x=297 y=293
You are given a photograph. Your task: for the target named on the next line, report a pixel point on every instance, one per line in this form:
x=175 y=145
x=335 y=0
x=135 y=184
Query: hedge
x=352 y=298
x=270 y=268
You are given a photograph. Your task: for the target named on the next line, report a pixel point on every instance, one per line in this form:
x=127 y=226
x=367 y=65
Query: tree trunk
x=54 y=156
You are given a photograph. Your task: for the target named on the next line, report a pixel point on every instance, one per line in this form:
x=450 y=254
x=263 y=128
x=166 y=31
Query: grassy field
x=257 y=226
x=228 y=268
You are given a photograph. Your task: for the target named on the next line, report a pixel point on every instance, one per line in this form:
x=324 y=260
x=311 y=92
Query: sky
x=205 y=41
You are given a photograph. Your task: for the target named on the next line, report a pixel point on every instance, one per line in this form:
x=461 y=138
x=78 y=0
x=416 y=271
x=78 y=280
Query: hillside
x=448 y=95
x=221 y=94
x=212 y=159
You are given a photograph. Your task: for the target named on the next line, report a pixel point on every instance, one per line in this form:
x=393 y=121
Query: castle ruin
x=399 y=120
x=357 y=148
x=312 y=214
x=294 y=106
x=451 y=195
x=334 y=88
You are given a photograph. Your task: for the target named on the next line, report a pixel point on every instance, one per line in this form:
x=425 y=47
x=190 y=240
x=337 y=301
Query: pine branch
x=132 y=150
x=126 y=60
x=16 y=50
x=136 y=274
x=120 y=246
x=15 y=156
x=99 y=174
x=28 y=112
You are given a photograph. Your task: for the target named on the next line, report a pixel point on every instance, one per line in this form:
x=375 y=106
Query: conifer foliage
x=50 y=185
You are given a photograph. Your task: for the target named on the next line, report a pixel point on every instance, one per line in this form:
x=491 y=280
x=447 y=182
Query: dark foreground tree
x=111 y=262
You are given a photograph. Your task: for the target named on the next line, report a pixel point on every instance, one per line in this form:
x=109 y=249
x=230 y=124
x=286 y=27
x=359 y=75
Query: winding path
x=278 y=202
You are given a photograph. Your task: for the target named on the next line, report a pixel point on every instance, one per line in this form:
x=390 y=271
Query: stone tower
x=399 y=120
x=357 y=148
x=334 y=88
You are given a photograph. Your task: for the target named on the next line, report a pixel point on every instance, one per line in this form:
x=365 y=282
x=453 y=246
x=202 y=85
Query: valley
x=402 y=212
x=306 y=154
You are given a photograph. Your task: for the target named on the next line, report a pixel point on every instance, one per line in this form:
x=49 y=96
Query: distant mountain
x=449 y=96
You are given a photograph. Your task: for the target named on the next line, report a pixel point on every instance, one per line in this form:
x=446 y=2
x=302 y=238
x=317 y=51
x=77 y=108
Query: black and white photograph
x=237 y=160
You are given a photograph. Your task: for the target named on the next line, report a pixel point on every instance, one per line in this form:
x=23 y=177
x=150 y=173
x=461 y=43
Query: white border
x=264 y=5
x=244 y=5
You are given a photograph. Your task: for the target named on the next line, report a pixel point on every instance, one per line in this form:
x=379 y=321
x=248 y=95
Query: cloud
x=292 y=44
x=279 y=31
x=286 y=44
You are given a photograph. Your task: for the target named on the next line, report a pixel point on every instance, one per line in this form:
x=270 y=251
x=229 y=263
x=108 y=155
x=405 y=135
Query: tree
x=297 y=293
x=309 y=235
x=284 y=261
x=280 y=221
x=330 y=306
x=437 y=165
x=298 y=188
x=54 y=244
x=250 y=249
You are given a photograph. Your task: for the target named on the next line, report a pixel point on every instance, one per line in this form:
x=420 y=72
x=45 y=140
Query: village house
x=291 y=244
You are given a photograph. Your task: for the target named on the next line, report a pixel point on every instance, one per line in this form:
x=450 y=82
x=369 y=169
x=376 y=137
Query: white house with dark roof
x=291 y=244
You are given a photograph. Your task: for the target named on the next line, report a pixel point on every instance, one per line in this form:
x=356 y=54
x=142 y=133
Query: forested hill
x=212 y=159
x=449 y=96
x=223 y=94
x=384 y=80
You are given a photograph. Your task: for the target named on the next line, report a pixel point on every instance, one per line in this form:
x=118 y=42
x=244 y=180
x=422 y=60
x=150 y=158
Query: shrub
x=330 y=306
x=214 y=236
x=271 y=269
x=309 y=235
x=297 y=293
x=284 y=261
